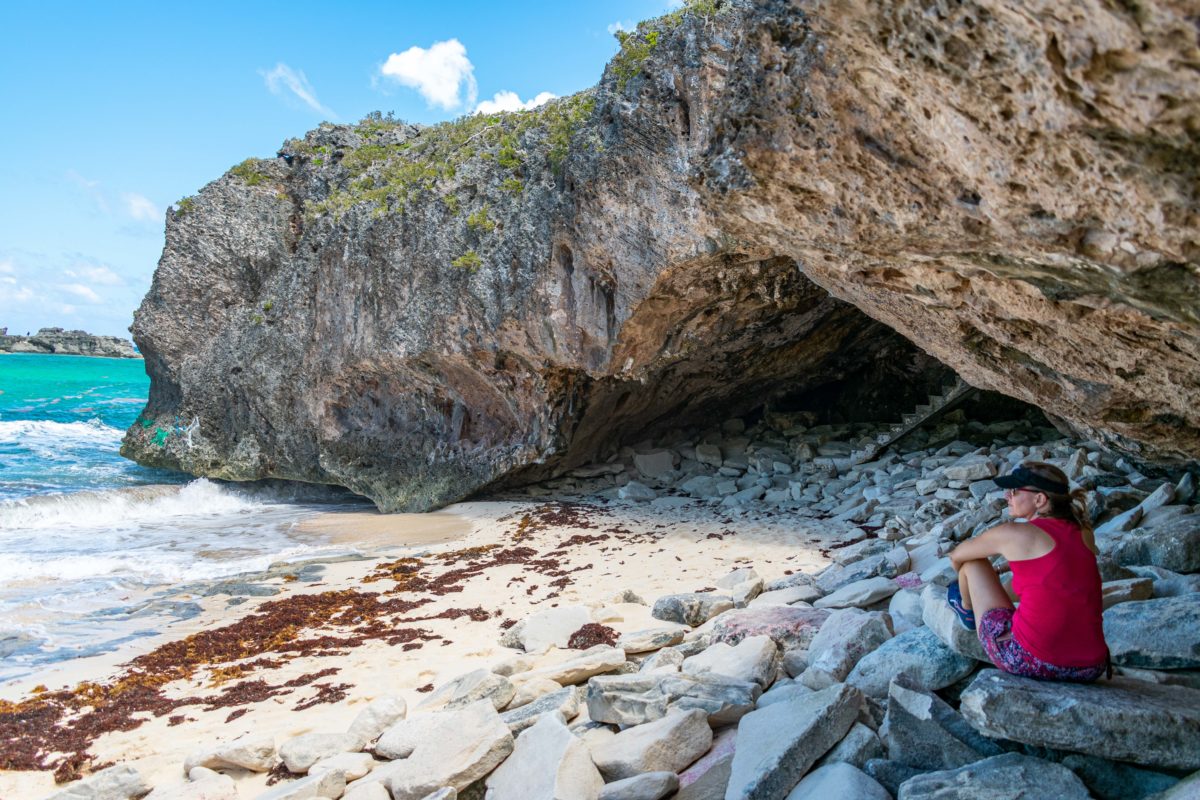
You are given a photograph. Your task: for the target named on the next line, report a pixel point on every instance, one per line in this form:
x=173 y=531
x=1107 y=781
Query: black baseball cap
x=1021 y=478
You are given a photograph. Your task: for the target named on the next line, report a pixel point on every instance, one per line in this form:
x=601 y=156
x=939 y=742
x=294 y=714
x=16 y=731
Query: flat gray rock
x=1008 y=777
x=254 y=752
x=1123 y=719
x=922 y=731
x=1163 y=633
x=754 y=659
x=121 y=782
x=651 y=639
x=565 y=701
x=301 y=752
x=644 y=697
x=920 y=654
x=547 y=763
x=670 y=743
x=791 y=627
x=691 y=609
x=647 y=786
x=1173 y=544
x=481 y=684
x=776 y=745
x=845 y=637
x=443 y=748
x=859 y=594
x=838 y=780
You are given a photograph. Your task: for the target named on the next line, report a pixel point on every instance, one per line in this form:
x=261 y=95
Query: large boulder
x=551 y=627
x=1123 y=719
x=1163 y=633
x=1173 y=545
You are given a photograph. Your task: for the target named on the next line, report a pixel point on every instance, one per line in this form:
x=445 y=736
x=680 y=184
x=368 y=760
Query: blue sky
x=113 y=111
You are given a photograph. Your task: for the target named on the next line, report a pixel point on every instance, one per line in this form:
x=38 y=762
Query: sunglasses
x=1009 y=493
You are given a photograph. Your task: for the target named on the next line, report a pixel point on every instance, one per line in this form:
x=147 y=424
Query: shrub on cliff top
x=251 y=172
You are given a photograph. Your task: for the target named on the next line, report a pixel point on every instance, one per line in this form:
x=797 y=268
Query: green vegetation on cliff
x=389 y=174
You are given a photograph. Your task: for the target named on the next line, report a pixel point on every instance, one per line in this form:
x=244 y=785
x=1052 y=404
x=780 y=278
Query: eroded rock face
x=753 y=205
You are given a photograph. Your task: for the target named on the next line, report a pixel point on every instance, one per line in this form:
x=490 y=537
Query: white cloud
x=66 y=308
x=6 y=266
x=510 y=101
x=283 y=78
x=140 y=208
x=439 y=73
x=620 y=26
x=79 y=290
x=97 y=273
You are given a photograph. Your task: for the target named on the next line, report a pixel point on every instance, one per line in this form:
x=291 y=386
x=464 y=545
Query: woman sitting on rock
x=1056 y=633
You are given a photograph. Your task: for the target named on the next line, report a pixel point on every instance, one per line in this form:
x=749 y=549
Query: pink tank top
x=1060 y=616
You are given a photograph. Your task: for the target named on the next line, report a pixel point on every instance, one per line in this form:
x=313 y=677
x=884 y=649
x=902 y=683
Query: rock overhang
x=725 y=216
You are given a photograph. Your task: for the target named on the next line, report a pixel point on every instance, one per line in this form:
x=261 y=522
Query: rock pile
x=854 y=681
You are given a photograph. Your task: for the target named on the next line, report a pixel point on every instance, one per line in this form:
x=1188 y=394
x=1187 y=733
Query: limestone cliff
x=68 y=343
x=754 y=202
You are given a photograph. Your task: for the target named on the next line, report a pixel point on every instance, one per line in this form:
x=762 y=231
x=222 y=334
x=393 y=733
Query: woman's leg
x=981 y=588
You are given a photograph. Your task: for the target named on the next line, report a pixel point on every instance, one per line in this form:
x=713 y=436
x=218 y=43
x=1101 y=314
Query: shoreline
x=452 y=585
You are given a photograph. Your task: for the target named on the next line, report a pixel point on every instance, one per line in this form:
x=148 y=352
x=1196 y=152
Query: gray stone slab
x=1008 y=777
x=791 y=628
x=776 y=745
x=670 y=743
x=564 y=702
x=1163 y=633
x=1123 y=719
x=919 y=653
x=921 y=730
x=1173 y=544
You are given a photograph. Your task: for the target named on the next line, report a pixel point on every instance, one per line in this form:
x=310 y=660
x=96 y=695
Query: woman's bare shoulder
x=1021 y=540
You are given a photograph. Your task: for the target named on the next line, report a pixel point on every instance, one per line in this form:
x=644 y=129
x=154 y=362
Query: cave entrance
x=742 y=337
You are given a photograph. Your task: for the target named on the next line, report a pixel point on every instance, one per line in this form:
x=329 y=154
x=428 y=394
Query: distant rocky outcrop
x=68 y=343
x=760 y=200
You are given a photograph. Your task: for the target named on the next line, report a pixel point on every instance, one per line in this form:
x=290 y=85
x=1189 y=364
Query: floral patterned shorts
x=1011 y=657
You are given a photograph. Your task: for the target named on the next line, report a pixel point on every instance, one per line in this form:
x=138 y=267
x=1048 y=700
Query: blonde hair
x=1072 y=506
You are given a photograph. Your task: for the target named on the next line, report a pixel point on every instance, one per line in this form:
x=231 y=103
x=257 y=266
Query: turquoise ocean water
x=92 y=546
